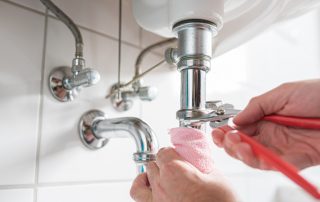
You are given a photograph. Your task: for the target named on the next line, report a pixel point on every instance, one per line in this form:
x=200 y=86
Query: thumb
x=140 y=190
x=265 y=104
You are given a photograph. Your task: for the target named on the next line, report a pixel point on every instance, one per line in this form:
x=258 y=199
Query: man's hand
x=297 y=146
x=172 y=179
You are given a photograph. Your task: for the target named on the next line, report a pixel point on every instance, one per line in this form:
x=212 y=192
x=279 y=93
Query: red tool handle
x=298 y=122
x=272 y=159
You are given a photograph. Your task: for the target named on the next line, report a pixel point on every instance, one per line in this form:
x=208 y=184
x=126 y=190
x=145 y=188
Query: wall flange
x=86 y=128
x=56 y=84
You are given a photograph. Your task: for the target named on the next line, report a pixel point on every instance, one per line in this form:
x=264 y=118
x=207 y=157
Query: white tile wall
x=163 y=78
x=94 y=192
x=296 y=195
x=239 y=186
x=67 y=171
x=299 y=59
x=263 y=185
x=131 y=32
x=148 y=38
x=21 y=42
x=33 y=4
x=98 y=15
x=16 y=195
x=63 y=158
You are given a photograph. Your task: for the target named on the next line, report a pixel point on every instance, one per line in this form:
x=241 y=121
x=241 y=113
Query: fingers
x=245 y=154
x=242 y=151
x=268 y=103
x=166 y=155
x=218 y=136
x=140 y=191
x=232 y=144
x=153 y=174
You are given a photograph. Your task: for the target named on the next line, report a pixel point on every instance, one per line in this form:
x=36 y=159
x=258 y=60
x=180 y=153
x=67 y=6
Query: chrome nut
x=147 y=93
x=171 y=56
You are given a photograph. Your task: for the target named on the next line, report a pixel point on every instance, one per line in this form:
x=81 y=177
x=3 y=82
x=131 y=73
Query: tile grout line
x=105 y=35
x=59 y=184
x=119 y=44
x=140 y=46
x=23 y=7
x=93 y=182
x=40 y=115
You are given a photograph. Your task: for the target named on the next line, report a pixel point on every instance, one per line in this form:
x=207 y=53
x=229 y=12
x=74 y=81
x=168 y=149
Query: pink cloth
x=193 y=146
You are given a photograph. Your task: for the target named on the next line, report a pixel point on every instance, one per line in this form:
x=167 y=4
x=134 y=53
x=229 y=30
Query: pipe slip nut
x=201 y=62
x=144 y=157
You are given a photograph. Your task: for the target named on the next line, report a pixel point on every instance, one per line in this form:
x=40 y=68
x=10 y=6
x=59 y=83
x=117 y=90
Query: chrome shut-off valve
x=65 y=83
x=122 y=99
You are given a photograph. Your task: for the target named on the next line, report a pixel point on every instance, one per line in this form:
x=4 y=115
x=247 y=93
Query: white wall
x=41 y=156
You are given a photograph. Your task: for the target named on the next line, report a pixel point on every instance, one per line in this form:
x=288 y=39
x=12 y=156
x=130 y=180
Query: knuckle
x=164 y=152
x=254 y=100
x=282 y=86
x=286 y=85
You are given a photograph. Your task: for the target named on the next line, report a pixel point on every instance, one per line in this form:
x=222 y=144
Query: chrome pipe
x=193 y=89
x=194 y=38
x=193 y=59
x=96 y=130
x=136 y=128
x=69 y=23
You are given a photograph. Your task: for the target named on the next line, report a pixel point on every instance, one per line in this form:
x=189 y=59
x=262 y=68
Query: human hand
x=172 y=179
x=297 y=146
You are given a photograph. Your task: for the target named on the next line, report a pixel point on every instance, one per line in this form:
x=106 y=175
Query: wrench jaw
x=215 y=121
x=216 y=124
x=218 y=115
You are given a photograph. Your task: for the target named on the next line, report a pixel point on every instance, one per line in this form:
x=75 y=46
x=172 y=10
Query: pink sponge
x=193 y=146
